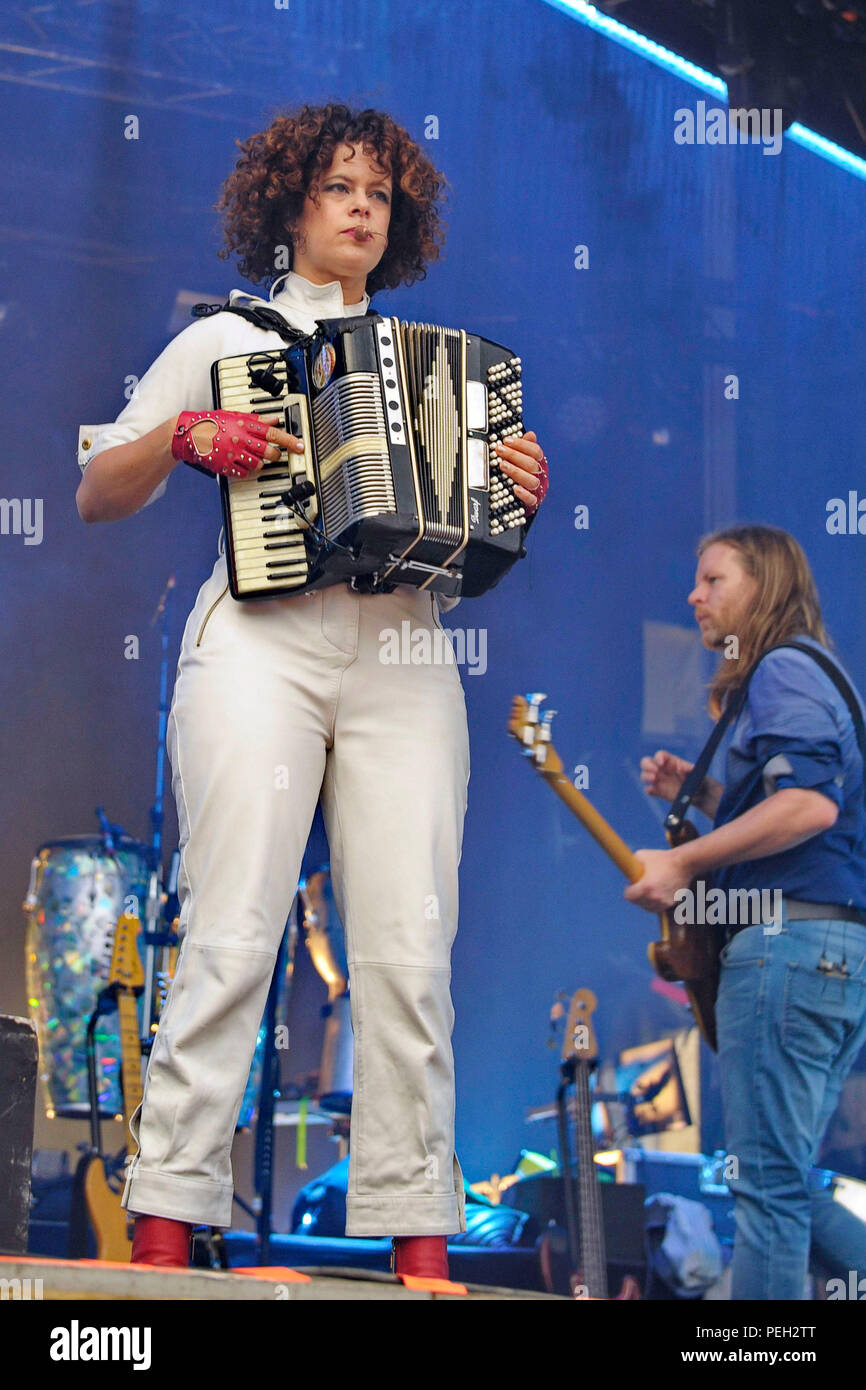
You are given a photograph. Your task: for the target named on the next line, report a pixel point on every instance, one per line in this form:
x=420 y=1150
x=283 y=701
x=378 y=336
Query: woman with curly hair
x=279 y=701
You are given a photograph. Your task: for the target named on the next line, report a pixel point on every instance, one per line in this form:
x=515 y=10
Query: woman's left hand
x=522 y=459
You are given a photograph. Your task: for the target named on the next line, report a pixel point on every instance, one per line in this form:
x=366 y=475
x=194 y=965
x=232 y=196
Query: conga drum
x=78 y=889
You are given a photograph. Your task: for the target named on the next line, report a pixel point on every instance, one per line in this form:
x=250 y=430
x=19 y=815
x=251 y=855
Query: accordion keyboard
x=267 y=537
x=505 y=418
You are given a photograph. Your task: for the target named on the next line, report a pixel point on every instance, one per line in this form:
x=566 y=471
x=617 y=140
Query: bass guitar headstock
x=580 y=1041
x=531 y=726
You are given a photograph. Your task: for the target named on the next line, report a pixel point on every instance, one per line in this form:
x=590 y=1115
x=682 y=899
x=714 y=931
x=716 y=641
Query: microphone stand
x=157 y=817
x=152 y=936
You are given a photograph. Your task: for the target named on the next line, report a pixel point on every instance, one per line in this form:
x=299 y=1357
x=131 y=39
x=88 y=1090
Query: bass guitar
x=579 y=1056
x=686 y=952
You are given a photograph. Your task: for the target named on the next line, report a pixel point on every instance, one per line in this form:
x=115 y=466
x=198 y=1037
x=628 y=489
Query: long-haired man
x=790 y=817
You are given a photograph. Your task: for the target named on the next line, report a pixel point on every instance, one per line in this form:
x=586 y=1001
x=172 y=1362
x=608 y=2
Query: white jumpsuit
x=276 y=703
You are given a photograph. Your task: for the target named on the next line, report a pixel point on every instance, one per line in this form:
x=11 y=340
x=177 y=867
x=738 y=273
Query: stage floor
x=99 y=1280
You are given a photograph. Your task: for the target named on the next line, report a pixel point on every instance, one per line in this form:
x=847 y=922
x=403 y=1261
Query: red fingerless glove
x=236 y=449
x=541 y=486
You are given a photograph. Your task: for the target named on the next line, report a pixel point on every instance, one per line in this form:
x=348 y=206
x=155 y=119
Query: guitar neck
x=130 y=1052
x=597 y=826
x=593 y=1255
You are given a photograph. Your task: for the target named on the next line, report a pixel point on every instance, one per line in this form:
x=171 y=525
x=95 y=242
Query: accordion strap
x=268 y=319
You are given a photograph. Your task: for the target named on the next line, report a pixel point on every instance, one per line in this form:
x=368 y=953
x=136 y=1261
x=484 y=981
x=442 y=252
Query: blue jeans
x=788 y=1036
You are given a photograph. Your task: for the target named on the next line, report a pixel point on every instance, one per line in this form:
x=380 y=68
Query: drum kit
x=80 y=888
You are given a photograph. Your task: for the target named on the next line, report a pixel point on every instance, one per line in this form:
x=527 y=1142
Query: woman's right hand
x=224 y=442
x=663 y=775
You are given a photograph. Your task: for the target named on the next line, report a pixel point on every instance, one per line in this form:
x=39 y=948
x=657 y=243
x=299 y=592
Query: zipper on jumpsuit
x=207 y=617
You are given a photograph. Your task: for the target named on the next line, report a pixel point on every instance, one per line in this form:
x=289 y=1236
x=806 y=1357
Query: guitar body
x=690 y=952
x=107 y=1216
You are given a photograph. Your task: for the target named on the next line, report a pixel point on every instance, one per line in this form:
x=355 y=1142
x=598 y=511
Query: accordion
x=398 y=482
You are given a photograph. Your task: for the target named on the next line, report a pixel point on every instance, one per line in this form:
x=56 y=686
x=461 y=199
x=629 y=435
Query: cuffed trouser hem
x=412 y=1215
x=198 y=1201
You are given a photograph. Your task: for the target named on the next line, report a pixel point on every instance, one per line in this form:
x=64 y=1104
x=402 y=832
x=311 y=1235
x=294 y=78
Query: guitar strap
x=689 y=789
x=691 y=783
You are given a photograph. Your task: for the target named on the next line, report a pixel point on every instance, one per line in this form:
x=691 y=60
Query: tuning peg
x=546 y=721
x=539 y=752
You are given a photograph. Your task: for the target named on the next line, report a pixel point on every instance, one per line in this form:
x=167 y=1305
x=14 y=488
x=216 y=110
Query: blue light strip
x=811 y=140
x=699 y=77
x=647 y=48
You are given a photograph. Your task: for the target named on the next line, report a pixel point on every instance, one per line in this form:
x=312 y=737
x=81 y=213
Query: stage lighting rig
x=758 y=58
x=804 y=57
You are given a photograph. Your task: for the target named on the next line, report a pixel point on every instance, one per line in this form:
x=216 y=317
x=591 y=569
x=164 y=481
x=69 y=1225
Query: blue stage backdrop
x=690 y=319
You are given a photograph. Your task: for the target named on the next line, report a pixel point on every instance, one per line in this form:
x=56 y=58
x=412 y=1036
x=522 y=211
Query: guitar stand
x=210 y=1240
x=79 y=1225
x=567 y=1073
x=208 y=1249
x=104 y=1005
x=263 y=1169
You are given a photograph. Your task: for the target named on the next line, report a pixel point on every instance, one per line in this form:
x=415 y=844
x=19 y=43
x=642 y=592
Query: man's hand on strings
x=663 y=775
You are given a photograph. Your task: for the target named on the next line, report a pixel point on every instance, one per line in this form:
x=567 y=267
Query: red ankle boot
x=158 y=1240
x=425 y=1257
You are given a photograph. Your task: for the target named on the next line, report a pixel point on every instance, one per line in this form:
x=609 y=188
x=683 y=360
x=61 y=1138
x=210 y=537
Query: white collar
x=303 y=303
x=302 y=292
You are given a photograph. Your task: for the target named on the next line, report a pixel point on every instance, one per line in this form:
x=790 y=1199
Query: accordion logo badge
x=323 y=366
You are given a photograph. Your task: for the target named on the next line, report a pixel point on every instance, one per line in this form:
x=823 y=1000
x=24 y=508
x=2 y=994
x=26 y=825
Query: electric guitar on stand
x=689 y=953
x=103 y=1193
x=585 y=1222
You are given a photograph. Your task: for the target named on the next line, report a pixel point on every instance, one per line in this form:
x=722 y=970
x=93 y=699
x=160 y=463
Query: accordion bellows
x=399 y=482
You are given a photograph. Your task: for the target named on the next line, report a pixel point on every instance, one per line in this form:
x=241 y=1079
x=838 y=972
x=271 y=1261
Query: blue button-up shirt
x=795 y=730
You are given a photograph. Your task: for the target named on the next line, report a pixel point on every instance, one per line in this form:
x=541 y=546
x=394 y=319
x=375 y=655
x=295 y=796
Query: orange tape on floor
x=281 y=1272
x=287 y=1276
x=90 y=1264
x=416 y=1281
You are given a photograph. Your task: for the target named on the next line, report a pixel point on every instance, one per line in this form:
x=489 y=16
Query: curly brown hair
x=264 y=197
